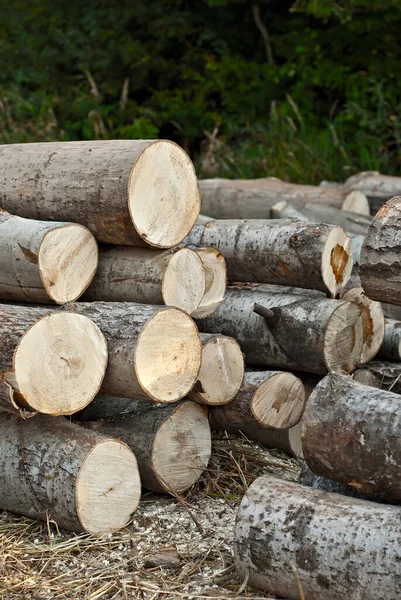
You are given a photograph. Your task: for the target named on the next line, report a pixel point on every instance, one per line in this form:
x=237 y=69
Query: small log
x=129 y=192
x=352 y=434
x=154 y=353
x=270 y=399
x=290 y=538
x=172 y=277
x=372 y=319
x=286 y=440
x=53 y=469
x=50 y=363
x=44 y=262
x=222 y=370
x=391 y=346
x=172 y=443
x=380 y=267
x=385 y=375
x=308 y=478
x=290 y=332
x=376 y=187
x=216 y=281
x=282 y=251
x=253 y=198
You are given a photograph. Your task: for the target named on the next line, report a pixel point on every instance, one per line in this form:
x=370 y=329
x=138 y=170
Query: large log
x=295 y=333
x=382 y=374
x=352 y=434
x=133 y=192
x=376 y=187
x=216 y=281
x=44 y=262
x=253 y=198
x=53 y=469
x=154 y=353
x=391 y=346
x=222 y=370
x=267 y=398
x=282 y=251
x=50 y=363
x=172 y=443
x=380 y=267
x=297 y=542
x=147 y=276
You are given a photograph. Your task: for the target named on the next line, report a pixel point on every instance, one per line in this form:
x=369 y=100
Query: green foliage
x=303 y=90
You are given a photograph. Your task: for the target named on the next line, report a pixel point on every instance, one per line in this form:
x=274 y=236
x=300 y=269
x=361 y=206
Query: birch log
x=352 y=434
x=44 y=262
x=172 y=443
x=380 y=267
x=216 y=281
x=267 y=398
x=391 y=346
x=222 y=370
x=53 y=469
x=382 y=374
x=304 y=334
x=282 y=251
x=253 y=198
x=154 y=353
x=50 y=363
x=290 y=538
x=376 y=187
x=130 y=192
x=286 y=440
x=172 y=277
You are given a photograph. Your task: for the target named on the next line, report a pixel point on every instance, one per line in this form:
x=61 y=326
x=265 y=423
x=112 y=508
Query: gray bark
x=391 y=346
x=352 y=434
x=317 y=482
x=385 y=375
x=289 y=536
x=378 y=188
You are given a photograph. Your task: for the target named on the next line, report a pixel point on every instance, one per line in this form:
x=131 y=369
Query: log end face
x=163 y=194
x=168 y=355
x=343 y=341
x=67 y=261
x=60 y=363
x=279 y=401
x=182 y=448
x=216 y=282
x=108 y=487
x=184 y=281
x=357 y=202
x=337 y=260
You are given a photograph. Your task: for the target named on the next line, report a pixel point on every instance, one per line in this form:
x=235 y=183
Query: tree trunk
x=282 y=251
x=50 y=468
x=222 y=370
x=290 y=538
x=172 y=443
x=352 y=434
x=303 y=334
x=373 y=322
x=172 y=277
x=216 y=281
x=44 y=262
x=154 y=353
x=253 y=198
x=50 y=363
x=133 y=192
x=382 y=374
x=378 y=188
x=268 y=398
x=380 y=266
x=391 y=346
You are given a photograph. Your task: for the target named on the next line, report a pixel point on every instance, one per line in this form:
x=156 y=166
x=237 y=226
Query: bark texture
x=385 y=375
x=377 y=188
x=97 y=184
x=282 y=251
x=289 y=536
x=299 y=334
x=391 y=346
x=352 y=434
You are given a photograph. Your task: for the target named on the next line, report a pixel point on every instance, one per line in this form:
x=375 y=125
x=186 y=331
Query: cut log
x=130 y=192
x=216 y=281
x=53 y=469
x=308 y=478
x=282 y=251
x=290 y=538
x=281 y=290
x=377 y=188
x=44 y=262
x=172 y=443
x=373 y=322
x=391 y=311
x=380 y=267
x=303 y=334
x=154 y=353
x=50 y=363
x=268 y=398
x=286 y=440
x=147 y=276
x=222 y=370
x=352 y=434
x=391 y=346
x=381 y=374
x=253 y=198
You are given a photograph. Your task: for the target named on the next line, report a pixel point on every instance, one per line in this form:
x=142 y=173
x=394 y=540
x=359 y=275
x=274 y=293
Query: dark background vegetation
x=304 y=90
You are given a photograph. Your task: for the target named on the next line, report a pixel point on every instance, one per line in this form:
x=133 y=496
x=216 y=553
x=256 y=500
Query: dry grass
x=173 y=548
